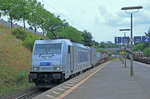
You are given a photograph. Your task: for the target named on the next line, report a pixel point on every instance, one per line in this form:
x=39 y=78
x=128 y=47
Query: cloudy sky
x=103 y=18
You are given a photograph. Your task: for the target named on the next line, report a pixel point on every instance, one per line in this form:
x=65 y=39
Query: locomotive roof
x=61 y=41
x=80 y=45
x=53 y=41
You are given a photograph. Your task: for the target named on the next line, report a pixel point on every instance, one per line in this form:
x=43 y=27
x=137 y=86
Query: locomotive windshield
x=54 y=48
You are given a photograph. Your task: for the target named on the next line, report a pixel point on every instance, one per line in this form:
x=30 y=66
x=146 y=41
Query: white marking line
x=50 y=96
x=69 y=85
x=66 y=87
x=75 y=81
x=146 y=65
x=71 y=82
x=55 y=92
x=61 y=89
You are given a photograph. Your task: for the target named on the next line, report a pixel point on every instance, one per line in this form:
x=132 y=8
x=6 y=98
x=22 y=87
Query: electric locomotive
x=56 y=60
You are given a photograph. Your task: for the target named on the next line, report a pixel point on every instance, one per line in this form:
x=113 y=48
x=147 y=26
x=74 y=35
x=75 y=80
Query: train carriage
x=99 y=57
x=93 y=56
x=81 y=59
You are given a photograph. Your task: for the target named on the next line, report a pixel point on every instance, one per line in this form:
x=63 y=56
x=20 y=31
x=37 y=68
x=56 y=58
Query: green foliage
x=87 y=38
x=148 y=33
x=147 y=51
x=108 y=44
x=98 y=49
x=20 y=33
x=94 y=43
x=104 y=45
x=34 y=13
x=36 y=10
x=114 y=59
x=29 y=41
x=21 y=75
x=71 y=33
x=22 y=11
x=27 y=38
x=139 y=46
x=49 y=35
x=145 y=47
x=13 y=57
x=8 y=7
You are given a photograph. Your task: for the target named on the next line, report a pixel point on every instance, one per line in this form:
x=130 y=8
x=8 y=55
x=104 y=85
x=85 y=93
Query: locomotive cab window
x=53 y=48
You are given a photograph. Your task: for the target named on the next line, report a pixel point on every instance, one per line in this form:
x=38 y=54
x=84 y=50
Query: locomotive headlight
x=35 y=68
x=58 y=68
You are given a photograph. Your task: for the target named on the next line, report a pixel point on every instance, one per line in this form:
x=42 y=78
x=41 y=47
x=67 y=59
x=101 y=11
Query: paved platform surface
x=114 y=82
x=59 y=90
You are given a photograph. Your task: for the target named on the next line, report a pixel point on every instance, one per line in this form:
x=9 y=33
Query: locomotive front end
x=46 y=66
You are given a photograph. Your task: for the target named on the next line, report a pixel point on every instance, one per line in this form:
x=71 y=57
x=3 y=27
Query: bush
x=21 y=75
x=139 y=46
x=20 y=33
x=147 y=51
x=27 y=37
x=29 y=41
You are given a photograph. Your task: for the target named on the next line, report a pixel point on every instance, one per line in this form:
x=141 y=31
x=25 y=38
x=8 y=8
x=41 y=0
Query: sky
x=103 y=18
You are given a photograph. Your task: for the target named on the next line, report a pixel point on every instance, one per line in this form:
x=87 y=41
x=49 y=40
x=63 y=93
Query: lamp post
x=131 y=11
x=124 y=44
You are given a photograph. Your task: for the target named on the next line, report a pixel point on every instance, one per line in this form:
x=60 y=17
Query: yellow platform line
x=81 y=82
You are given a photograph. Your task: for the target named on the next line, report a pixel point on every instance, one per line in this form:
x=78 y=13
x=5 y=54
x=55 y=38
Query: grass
x=14 y=63
x=114 y=59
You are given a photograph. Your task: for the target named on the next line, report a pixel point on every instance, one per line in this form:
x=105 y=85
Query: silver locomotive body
x=56 y=60
x=93 y=56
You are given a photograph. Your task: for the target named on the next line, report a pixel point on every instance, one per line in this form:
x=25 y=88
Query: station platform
x=114 y=82
x=111 y=81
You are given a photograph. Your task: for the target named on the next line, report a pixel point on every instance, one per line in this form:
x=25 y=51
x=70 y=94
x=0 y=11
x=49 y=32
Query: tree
x=22 y=11
x=147 y=45
x=54 y=22
x=139 y=46
x=147 y=51
x=111 y=45
x=46 y=16
x=104 y=45
x=94 y=43
x=71 y=33
x=148 y=33
x=87 y=38
x=35 y=18
x=143 y=46
x=7 y=7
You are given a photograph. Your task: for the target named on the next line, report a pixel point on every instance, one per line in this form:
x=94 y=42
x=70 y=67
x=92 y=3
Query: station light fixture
x=124 y=44
x=131 y=10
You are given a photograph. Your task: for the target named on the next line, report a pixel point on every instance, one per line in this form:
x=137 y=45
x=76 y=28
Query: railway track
x=31 y=94
x=25 y=94
x=34 y=91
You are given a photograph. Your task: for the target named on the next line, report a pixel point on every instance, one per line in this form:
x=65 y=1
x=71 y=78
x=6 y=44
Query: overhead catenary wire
x=61 y=14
